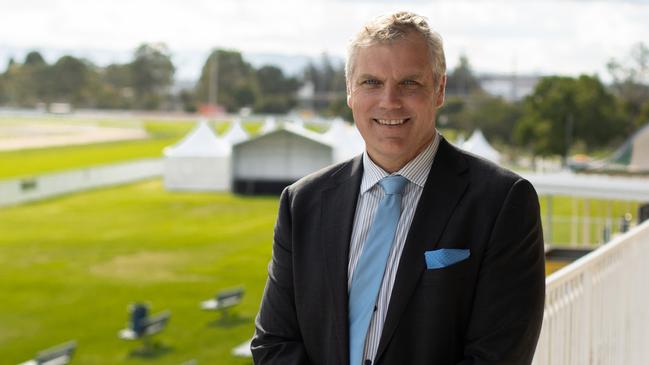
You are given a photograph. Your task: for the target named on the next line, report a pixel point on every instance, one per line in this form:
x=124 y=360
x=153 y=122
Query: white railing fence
x=16 y=191
x=597 y=308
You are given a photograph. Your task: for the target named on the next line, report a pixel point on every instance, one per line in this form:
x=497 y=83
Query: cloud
x=543 y=36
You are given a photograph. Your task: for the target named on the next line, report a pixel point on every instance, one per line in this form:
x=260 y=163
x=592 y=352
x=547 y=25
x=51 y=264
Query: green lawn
x=564 y=207
x=53 y=159
x=44 y=160
x=69 y=267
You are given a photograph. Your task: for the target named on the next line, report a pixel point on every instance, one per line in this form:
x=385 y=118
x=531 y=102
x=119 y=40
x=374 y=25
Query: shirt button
x=368 y=362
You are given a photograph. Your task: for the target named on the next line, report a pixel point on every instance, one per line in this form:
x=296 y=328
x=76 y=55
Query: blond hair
x=389 y=28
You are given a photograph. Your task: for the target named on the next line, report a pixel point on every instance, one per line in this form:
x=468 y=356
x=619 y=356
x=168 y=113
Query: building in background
x=510 y=87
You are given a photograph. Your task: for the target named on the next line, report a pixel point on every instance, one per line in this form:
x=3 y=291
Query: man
x=454 y=275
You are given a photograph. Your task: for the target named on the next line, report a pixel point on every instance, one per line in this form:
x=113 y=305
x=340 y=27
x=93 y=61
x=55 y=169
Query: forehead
x=409 y=55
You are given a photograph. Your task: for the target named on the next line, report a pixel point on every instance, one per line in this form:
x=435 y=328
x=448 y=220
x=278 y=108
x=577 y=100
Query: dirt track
x=33 y=135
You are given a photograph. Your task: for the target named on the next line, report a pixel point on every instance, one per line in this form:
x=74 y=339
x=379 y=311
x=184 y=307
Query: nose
x=390 y=98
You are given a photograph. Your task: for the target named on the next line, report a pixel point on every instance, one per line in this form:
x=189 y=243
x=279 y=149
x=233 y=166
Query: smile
x=391 y=121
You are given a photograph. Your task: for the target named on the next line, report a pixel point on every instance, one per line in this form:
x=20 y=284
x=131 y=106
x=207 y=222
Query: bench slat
x=152 y=326
x=223 y=300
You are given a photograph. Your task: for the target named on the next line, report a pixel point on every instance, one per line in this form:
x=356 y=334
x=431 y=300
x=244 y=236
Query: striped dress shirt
x=416 y=171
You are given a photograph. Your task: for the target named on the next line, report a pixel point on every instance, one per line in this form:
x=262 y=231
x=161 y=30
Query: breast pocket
x=451 y=275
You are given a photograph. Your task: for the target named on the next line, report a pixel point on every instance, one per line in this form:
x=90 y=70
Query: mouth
x=391 y=122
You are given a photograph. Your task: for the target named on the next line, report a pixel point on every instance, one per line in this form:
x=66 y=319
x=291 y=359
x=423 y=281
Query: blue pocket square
x=444 y=257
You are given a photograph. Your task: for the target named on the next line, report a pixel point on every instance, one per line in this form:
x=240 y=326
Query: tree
x=4 y=95
x=599 y=121
x=188 y=100
x=69 y=81
x=562 y=111
x=34 y=58
x=10 y=63
x=326 y=75
x=152 y=75
x=276 y=92
x=118 y=76
x=328 y=80
x=116 y=87
x=468 y=107
x=495 y=117
x=631 y=84
x=227 y=80
x=643 y=115
x=26 y=84
x=461 y=81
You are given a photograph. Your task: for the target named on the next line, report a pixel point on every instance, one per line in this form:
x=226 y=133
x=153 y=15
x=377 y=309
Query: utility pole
x=213 y=84
x=568 y=141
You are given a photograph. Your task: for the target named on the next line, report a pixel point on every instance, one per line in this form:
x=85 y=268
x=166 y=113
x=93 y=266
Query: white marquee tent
x=346 y=139
x=270 y=124
x=267 y=163
x=477 y=144
x=200 y=161
x=236 y=133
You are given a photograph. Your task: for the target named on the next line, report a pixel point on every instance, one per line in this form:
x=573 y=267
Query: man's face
x=393 y=98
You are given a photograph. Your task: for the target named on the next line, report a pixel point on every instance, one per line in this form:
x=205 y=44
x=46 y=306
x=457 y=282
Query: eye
x=410 y=83
x=370 y=82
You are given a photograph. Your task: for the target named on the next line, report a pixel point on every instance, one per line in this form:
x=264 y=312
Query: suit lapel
x=443 y=190
x=338 y=209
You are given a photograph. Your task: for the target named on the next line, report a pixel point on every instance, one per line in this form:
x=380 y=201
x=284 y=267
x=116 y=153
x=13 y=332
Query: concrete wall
x=21 y=190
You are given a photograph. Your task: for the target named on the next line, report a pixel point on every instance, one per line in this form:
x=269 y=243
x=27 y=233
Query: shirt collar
x=416 y=170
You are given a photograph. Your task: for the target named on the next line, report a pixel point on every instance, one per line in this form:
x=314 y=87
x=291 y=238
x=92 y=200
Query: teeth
x=390 y=121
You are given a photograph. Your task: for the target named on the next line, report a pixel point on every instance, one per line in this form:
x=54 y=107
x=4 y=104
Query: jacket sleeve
x=277 y=337
x=509 y=299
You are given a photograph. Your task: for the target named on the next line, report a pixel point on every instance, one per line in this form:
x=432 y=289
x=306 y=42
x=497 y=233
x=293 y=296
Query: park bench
x=223 y=301
x=58 y=355
x=141 y=326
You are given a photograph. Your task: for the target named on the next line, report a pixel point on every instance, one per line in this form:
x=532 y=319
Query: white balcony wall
x=597 y=308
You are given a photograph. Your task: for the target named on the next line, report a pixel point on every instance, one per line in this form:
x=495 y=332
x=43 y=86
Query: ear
x=441 y=92
x=349 y=96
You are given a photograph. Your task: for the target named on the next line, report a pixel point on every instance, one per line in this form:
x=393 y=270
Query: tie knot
x=393 y=184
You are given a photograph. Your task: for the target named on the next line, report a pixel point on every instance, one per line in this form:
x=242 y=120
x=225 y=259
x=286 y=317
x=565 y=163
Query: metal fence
x=597 y=308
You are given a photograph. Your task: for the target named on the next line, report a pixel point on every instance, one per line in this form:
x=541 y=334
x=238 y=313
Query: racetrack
x=26 y=135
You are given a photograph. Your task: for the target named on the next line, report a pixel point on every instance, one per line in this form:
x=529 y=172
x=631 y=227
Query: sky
x=507 y=36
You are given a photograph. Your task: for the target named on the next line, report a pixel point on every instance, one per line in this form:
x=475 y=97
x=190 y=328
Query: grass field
x=71 y=266
x=43 y=160
x=597 y=211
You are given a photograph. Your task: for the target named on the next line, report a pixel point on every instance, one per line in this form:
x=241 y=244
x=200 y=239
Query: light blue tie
x=369 y=270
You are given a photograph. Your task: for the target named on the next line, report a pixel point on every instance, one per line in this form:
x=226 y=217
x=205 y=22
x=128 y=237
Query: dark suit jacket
x=487 y=309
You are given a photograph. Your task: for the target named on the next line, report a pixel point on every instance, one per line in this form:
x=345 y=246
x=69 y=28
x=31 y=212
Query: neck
x=392 y=165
